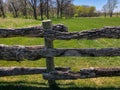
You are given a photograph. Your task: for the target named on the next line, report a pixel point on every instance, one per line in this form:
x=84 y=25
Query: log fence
x=50 y=33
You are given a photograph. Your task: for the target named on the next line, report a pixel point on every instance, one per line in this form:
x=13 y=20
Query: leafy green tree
x=84 y=11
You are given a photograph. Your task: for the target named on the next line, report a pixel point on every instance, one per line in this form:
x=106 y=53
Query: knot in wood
x=60 y=27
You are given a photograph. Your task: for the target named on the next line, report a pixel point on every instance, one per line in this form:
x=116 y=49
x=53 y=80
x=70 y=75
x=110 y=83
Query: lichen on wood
x=36 y=31
x=83 y=73
x=13 y=71
x=106 y=32
x=20 y=52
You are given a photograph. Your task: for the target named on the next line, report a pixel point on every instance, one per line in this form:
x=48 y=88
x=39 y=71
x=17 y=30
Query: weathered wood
x=47 y=25
x=60 y=28
x=20 y=52
x=90 y=52
x=29 y=32
x=106 y=32
x=14 y=71
x=84 y=73
x=99 y=72
x=60 y=32
x=37 y=52
x=36 y=31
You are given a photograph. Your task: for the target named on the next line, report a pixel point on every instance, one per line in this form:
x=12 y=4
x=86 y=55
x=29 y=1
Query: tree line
x=35 y=8
x=109 y=7
x=43 y=9
x=51 y=9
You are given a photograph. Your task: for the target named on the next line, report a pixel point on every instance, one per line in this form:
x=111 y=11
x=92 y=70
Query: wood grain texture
x=19 y=53
x=36 y=31
x=13 y=71
x=106 y=32
x=83 y=73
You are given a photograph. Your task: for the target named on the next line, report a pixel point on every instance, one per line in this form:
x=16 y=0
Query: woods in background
x=36 y=8
x=109 y=7
x=43 y=9
x=2 y=12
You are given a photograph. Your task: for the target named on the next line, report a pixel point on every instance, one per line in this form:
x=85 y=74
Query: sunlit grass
x=35 y=82
x=17 y=22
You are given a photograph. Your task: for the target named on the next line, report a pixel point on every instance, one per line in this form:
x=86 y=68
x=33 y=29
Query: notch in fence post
x=47 y=25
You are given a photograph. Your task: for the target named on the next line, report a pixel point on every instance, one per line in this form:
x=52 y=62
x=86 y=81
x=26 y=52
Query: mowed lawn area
x=36 y=82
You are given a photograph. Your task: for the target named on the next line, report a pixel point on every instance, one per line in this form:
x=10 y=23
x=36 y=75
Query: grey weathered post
x=47 y=25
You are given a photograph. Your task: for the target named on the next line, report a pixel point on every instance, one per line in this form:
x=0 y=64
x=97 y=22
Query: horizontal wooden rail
x=84 y=73
x=36 y=31
x=14 y=71
x=106 y=32
x=37 y=52
x=91 y=52
x=29 y=32
x=60 y=32
x=20 y=52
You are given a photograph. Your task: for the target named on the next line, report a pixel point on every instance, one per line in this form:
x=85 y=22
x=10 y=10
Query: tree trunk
x=58 y=8
x=3 y=13
x=34 y=13
x=105 y=14
x=61 y=12
x=25 y=9
x=111 y=14
x=15 y=11
x=2 y=9
x=47 y=11
x=61 y=8
x=41 y=9
x=33 y=4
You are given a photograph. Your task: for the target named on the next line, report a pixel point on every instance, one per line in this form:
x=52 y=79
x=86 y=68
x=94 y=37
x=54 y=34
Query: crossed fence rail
x=50 y=33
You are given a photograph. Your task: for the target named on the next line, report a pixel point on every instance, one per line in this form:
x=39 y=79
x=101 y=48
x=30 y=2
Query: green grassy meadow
x=35 y=82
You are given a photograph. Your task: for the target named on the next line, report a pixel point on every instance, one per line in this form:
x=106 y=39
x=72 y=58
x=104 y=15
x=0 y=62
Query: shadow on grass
x=42 y=86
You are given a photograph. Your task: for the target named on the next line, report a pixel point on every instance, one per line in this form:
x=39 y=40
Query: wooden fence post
x=47 y=25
